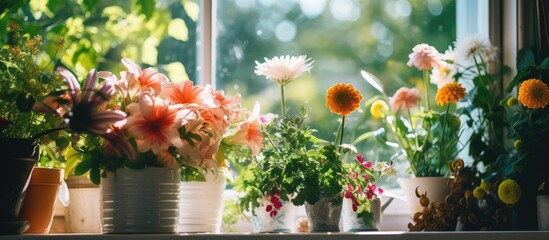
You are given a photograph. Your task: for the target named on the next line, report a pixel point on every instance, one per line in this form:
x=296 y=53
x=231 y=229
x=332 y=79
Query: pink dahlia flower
x=404 y=99
x=424 y=57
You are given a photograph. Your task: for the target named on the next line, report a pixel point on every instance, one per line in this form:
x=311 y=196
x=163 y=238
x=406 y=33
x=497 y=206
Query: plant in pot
x=267 y=182
x=429 y=139
x=25 y=78
x=320 y=178
x=362 y=204
x=133 y=139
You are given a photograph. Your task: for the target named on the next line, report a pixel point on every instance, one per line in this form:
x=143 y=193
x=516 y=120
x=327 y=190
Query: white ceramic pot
x=350 y=222
x=83 y=215
x=436 y=188
x=284 y=221
x=140 y=200
x=201 y=204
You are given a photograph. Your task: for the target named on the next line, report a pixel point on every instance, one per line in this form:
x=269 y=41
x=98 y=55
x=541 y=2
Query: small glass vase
x=323 y=216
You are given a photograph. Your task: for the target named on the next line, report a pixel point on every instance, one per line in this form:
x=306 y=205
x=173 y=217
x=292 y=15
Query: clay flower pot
x=39 y=203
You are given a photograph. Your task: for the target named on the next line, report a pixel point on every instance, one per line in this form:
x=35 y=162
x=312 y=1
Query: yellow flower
x=512 y=101
x=534 y=93
x=509 y=191
x=450 y=93
x=479 y=193
x=518 y=144
x=343 y=99
x=378 y=109
x=485 y=186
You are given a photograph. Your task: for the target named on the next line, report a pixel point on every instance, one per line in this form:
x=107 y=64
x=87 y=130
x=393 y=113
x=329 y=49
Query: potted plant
x=428 y=138
x=362 y=204
x=26 y=79
x=267 y=182
x=133 y=138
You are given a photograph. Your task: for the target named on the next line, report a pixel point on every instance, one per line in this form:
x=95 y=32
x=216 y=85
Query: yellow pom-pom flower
x=533 y=93
x=378 y=109
x=450 y=93
x=479 y=193
x=343 y=99
x=509 y=191
x=512 y=101
x=517 y=144
x=485 y=185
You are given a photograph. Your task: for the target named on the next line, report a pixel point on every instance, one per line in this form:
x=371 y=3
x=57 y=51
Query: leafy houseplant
x=271 y=177
x=25 y=78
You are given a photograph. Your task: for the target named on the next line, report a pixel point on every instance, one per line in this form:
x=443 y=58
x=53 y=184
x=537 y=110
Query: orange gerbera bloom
x=534 y=93
x=343 y=99
x=450 y=93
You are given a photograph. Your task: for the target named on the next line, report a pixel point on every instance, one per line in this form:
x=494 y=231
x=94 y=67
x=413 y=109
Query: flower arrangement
x=294 y=165
x=271 y=177
x=429 y=139
x=362 y=186
x=140 y=120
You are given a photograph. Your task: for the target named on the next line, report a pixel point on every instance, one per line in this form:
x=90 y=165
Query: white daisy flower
x=379 y=166
x=476 y=46
x=283 y=69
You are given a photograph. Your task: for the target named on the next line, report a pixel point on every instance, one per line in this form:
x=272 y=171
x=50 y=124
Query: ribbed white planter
x=201 y=204
x=140 y=200
x=350 y=222
x=284 y=221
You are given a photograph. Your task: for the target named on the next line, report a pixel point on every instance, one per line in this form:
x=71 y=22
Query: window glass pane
x=99 y=33
x=342 y=36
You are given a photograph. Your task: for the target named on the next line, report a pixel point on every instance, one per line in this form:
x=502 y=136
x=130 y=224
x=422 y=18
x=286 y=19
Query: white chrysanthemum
x=476 y=46
x=283 y=69
x=445 y=71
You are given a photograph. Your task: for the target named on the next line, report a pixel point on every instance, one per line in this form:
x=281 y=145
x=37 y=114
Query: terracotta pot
x=436 y=188
x=83 y=215
x=39 y=203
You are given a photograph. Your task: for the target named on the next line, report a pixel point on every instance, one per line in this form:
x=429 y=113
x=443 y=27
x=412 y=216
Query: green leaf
x=83 y=167
x=545 y=64
x=89 y=5
x=146 y=7
x=520 y=76
x=95 y=175
x=525 y=59
x=72 y=158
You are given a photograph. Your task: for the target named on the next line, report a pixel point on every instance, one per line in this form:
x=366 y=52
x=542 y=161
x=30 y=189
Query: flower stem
x=442 y=137
x=413 y=129
x=283 y=101
x=339 y=136
x=426 y=83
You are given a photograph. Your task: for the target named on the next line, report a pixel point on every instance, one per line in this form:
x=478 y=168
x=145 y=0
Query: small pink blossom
x=424 y=57
x=404 y=99
x=148 y=79
x=249 y=133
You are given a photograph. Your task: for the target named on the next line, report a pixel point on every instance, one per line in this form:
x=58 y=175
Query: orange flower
x=154 y=123
x=534 y=93
x=148 y=79
x=343 y=99
x=450 y=93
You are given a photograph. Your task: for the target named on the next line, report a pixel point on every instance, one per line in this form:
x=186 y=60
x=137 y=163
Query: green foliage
x=25 y=78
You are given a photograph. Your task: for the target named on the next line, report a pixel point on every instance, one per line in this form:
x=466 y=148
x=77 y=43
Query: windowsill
x=382 y=235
